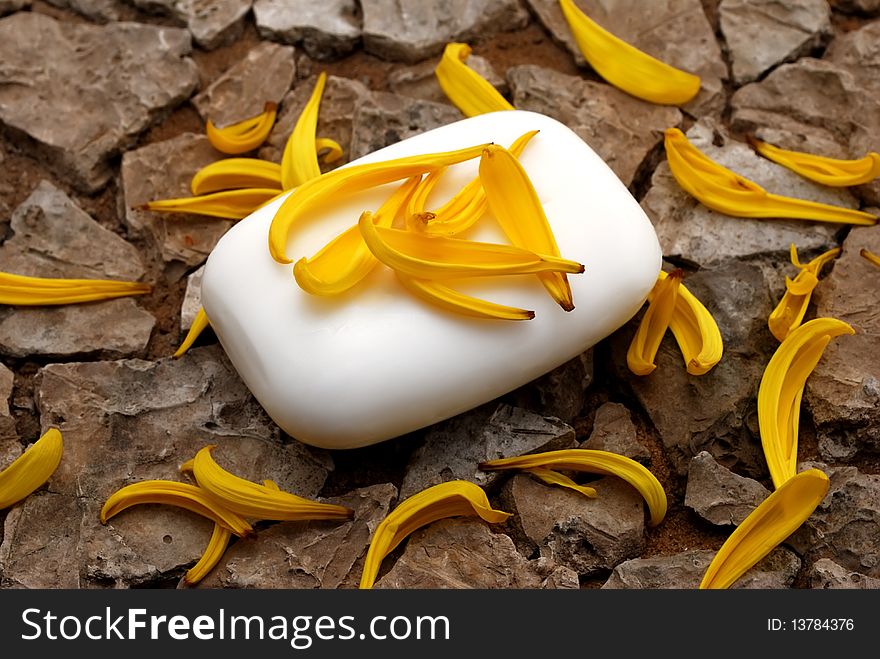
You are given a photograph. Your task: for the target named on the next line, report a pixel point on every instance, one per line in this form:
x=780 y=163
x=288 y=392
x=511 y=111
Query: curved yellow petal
x=299 y=162
x=31 y=469
x=447 y=298
x=827 y=171
x=200 y=324
x=213 y=553
x=229 y=204
x=870 y=257
x=332 y=147
x=791 y=309
x=245 y=135
x=467 y=89
x=232 y=173
x=21 y=290
x=646 y=341
x=555 y=478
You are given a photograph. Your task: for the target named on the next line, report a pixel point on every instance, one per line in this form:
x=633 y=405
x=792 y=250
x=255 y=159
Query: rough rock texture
x=98 y=10
x=464 y=553
x=721 y=414
x=264 y=74
x=128 y=421
x=9 y=6
x=763 y=33
x=718 y=495
x=212 y=23
x=9 y=446
x=386 y=118
x=688 y=230
x=192 y=299
x=614 y=431
x=858 y=6
x=314 y=554
x=122 y=76
x=586 y=535
x=685 y=570
x=828 y=575
x=325 y=30
x=623 y=130
x=674 y=31
x=163 y=170
x=453 y=449
x=419 y=80
x=845 y=527
x=562 y=391
x=413 y=30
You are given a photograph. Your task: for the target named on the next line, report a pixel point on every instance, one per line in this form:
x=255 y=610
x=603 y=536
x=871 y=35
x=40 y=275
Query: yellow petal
x=232 y=173
x=229 y=204
x=200 y=324
x=646 y=341
x=451 y=499
x=438 y=257
x=334 y=151
x=467 y=89
x=39 y=291
x=870 y=257
x=213 y=553
x=722 y=190
x=791 y=309
x=349 y=180
x=776 y=518
x=257 y=501
x=782 y=386
x=626 y=67
x=245 y=135
x=827 y=171
x=515 y=205
x=182 y=495
x=555 y=478
x=31 y=469
x=452 y=300
x=595 y=462
x=299 y=162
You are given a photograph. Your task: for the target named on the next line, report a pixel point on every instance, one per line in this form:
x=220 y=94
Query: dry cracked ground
x=102 y=107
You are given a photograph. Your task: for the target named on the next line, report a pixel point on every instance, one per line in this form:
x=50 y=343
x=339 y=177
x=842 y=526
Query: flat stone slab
x=212 y=24
x=614 y=431
x=718 y=495
x=325 y=30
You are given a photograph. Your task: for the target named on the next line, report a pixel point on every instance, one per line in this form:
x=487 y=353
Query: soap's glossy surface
x=374 y=363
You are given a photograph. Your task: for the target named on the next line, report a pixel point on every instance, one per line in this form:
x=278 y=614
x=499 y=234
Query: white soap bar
x=375 y=363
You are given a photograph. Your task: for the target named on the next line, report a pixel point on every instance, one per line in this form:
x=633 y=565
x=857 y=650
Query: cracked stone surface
x=828 y=575
x=102 y=11
x=325 y=30
x=9 y=445
x=614 y=431
x=419 y=80
x=212 y=24
x=562 y=391
x=192 y=299
x=718 y=495
x=123 y=76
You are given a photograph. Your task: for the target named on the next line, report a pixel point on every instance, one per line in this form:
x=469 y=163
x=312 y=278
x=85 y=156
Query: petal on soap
x=827 y=171
x=245 y=135
x=594 y=462
x=229 y=204
x=199 y=324
x=31 y=469
x=452 y=499
x=790 y=311
x=727 y=192
x=439 y=257
x=448 y=298
x=299 y=162
x=781 y=389
x=467 y=89
x=627 y=67
x=258 y=501
x=515 y=205
x=646 y=341
x=20 y=290
x=232 y=173
x=870 y=257
x=350 y=180
x=180 y=495
x=555 y=478
x=776 y=518
x=213 y=553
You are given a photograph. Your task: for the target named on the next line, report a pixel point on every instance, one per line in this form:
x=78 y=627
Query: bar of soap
x=374 y=363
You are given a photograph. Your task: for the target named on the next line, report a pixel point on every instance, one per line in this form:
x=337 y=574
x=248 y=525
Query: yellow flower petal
x=595 y=462
x=334 y=151
x=782 y=385
x=200 y=324
x=827 y=171
x=299 y=162
x=229 y=204
x=467 y=89
x=722 y=190
x=232 y=173
x=39 y=291
x=515 y=205
x=245 y=135
x=555 y=478
x=870 y=257
x=213 y=553
x=31 y=469
x=452 y=300
x=776 y=518
x=258 y=501
x=790 y=311
x=646 y=341
x=626 y=67
x=450 y=499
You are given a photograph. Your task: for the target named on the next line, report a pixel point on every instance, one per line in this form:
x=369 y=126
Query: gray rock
x=325 y=30
x=163 y=170
x=452 y=449
x=689 y=231
x=98 y=10
x=562 y=391
x=674 y=31
x=105 y=85
x=685 y=570
x=192 y=299
x=264 y=74
x=718 y=495
x=763 y=33
x=212 y=24
x=9 y=445
x=419 y=80
x=614 y=431
x=586 y=535
x=412 y=30
x=314 y=554
x=463 y=553
x=871 y=7
x=622 y=129
x=385 y=119
x=128 y=421
x=828 y=575
x=843 y=392
x=9 y=6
